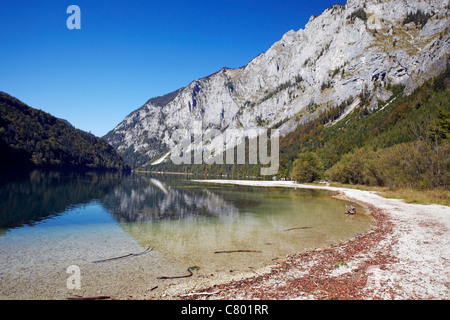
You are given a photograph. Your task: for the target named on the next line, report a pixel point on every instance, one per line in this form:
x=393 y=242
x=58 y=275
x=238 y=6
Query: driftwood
x=89 y=298
x=299 y=228
x=200 y=294
x=127 y=255
x=350 y=210
x=233 y=251
x=177 y=277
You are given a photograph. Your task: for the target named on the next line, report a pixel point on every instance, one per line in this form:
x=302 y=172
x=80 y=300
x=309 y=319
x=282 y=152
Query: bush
x=417 y=165
x=360 y=13
x=419 y=18
x=307 y=168
x=356 y=167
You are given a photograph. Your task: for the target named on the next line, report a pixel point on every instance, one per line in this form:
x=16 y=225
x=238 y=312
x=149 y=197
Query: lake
x=155 y=225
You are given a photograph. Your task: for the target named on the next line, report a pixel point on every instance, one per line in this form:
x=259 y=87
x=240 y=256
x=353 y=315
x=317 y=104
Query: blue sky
x=130 y=51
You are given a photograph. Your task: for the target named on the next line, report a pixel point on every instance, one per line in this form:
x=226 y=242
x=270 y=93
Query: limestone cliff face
x=362 y=46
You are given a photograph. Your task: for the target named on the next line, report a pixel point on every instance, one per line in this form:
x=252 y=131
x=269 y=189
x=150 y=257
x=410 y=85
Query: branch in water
x=177 y=277
x=233 y=251
x=300 y=228
x=127 y=255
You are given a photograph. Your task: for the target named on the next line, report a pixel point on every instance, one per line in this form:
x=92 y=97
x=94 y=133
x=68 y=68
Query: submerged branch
x=177 y=277
x=299 y=228
x=233 y=251
x=127 y=255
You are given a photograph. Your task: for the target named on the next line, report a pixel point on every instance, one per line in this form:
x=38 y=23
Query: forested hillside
x=31 y=137
x=404 y=142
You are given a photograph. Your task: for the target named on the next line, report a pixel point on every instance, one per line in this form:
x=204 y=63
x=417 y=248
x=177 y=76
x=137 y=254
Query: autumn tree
x=307 y=168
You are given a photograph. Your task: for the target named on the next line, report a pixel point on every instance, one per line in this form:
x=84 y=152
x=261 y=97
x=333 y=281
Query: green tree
x=307 y=168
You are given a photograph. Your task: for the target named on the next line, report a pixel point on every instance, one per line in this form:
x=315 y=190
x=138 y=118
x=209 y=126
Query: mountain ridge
x=364 y=46
x=33 y=138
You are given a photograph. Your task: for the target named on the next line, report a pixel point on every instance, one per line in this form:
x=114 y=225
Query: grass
x=436 y=196
x=340 y=264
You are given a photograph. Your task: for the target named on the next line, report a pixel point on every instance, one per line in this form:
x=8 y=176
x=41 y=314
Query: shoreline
x=406 y=256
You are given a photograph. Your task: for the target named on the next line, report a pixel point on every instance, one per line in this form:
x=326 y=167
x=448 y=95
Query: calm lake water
x=49 y=221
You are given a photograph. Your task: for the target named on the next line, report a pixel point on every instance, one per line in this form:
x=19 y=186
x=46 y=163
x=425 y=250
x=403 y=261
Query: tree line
x=33 y=138
x=405 y=145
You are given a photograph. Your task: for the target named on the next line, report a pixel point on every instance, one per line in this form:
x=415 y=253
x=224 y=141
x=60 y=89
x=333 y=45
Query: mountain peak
x=364 y=47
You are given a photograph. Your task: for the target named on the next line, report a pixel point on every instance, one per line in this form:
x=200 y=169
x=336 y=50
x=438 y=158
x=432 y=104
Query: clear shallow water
x=51 y=221
x=248 y=218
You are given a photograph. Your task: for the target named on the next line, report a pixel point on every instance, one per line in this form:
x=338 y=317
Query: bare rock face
x=364 y=46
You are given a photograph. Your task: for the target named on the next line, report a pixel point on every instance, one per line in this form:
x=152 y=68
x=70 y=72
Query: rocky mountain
x=364 y=47
x=33 y=138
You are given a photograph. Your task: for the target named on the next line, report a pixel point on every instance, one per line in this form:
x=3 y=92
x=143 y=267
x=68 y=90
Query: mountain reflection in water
x=145 y=199
x=92 y=216
x=38 y=195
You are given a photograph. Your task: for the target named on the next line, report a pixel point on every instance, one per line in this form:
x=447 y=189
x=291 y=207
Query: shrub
x=417 y=165
x=360 y=13
x=307 y=168
x=419 y=18
x=357 y=167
